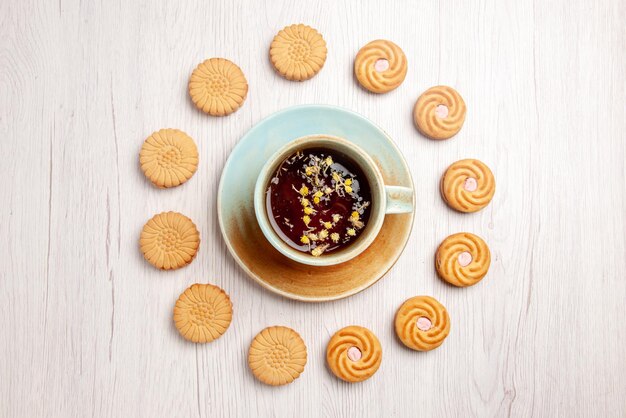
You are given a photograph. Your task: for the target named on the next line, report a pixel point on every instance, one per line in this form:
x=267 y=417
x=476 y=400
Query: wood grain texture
x=86 y=324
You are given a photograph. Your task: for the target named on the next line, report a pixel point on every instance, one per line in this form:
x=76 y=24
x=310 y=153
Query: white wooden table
x=85 y=322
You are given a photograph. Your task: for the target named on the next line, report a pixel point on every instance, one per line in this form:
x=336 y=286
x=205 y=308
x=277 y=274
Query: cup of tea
x=321 y=200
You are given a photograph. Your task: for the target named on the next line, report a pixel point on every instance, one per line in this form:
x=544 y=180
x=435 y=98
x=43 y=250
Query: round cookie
x=380 y=66
x=354 y=354
x=467 y=185
x=169 y=240
x=277 y=356
x=439 y=112
x=298 y=52
x=168 y=158
x=422 y=323
x=462 y=259
x=203 y=313
x=218 y=87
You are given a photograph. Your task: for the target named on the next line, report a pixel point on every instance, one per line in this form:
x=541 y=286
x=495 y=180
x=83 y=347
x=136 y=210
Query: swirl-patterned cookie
x=168 y=158
x=439 y=112
x=422 y=323
x=203 y=313
x=169 y=240
x=298 y=52
x=468 y=185
x=462 y=259
x=218 y=87
x=380 y=66
x=277 y=355
x=354 y=354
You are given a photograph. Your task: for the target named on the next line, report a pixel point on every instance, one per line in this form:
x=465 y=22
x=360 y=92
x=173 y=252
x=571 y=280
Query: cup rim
x=377 y=188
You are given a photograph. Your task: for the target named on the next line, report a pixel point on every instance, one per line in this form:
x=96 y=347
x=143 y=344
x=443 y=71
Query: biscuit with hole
x=380 y=66
x=422 y=323
x=354 y=354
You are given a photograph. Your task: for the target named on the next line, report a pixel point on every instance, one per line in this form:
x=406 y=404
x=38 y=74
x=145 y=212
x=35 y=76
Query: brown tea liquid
x=318 y=201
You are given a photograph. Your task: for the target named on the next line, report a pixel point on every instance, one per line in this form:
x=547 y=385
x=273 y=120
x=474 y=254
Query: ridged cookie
x=380 y=66
x=422 y=323
x=218 y=87
x=462 y=259
x=354 y=354
x=298 y=52
x=168 y=158
x=169 y=240
x=439 y=112
x=468 y=185
x=203 y=313
x=277 y=356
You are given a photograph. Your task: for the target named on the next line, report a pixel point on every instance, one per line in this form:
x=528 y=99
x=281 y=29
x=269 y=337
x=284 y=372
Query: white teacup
x=386 y=199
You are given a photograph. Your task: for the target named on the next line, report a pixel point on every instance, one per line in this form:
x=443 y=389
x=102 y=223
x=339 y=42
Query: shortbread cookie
x=298 y=52
x=462 y=259
x=468 y=186
x=203 y=313
x=380 y=66
x=218 y=87
x=354 y=354
x=168 y=158
x=169 y=240
x=422 y=323
x=277 y=356
x=439 y=112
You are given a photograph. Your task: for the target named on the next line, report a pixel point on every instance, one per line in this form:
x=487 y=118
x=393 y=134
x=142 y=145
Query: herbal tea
x=318 y=201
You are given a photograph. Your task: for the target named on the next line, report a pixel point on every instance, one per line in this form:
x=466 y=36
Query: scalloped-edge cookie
x=439 y=112
x=462 y=259
x=468 y=185
x=277 y=355
x=380 y=66
x=169 y=240
x=203 y=313
x=218 y=87
x=422 y=323
x=168 y=158
x=298 y=52
x=354 y=354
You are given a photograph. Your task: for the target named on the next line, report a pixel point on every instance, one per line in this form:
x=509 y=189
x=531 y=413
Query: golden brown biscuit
x=218 y=87
x=380 y=66
x=169 y=240
x=203 y=313
x=422 y=323
x=439 y=112
x=168 y=158
x=354 y=354
x=277 y=356
x=298 y=52
x=467 y=185
x=462 y=259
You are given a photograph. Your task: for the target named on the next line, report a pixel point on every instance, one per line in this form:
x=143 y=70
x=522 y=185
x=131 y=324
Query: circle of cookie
x=203 y=313
x=298 y=52
x=218 y=87
x=462 y=259
x=467 y=185
x=277 y=355
x=168 y=158
x=380 y=66
x=354 y=354
x=169 y=240
x=422 y=323
x=439 y=112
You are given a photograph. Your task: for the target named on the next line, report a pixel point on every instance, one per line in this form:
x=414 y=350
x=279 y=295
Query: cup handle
x=399 y=199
